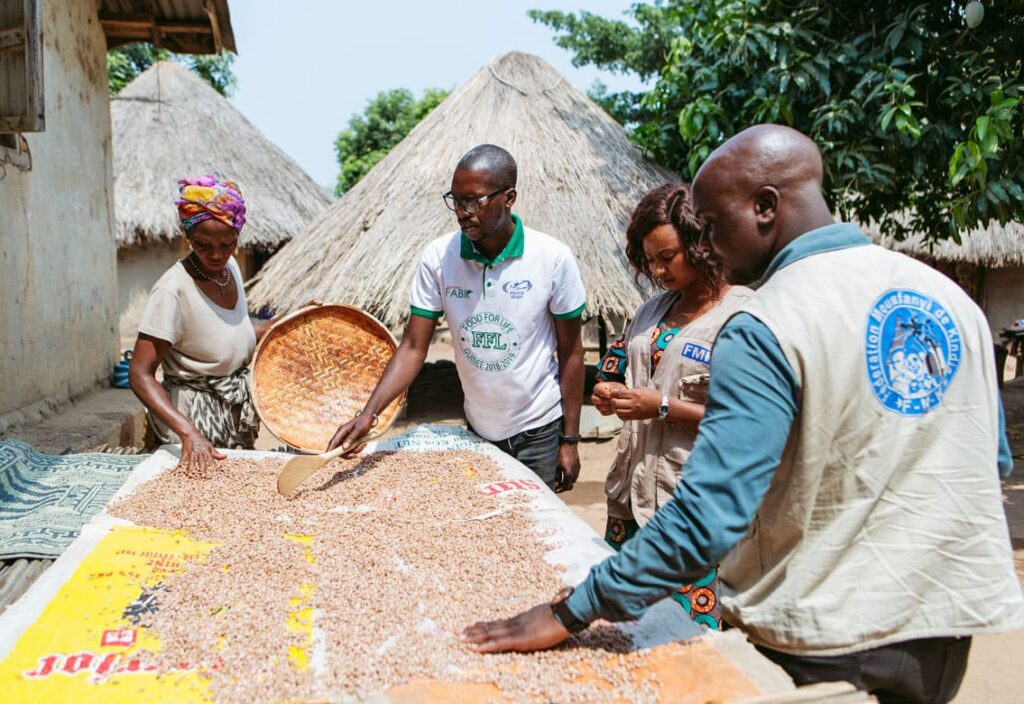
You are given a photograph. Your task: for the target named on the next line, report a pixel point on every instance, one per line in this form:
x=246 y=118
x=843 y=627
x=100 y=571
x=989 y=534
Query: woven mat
x=46 y=499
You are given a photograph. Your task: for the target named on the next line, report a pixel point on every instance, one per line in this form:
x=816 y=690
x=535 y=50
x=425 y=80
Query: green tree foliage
x=919 y=118
x=127 y=62
x=370 y=136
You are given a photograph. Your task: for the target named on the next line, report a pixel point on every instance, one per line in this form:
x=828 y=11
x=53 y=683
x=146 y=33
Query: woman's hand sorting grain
x=536 y=629
x=197 y=455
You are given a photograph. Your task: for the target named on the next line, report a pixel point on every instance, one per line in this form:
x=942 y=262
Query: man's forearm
x=570 y=380
x=398 y=376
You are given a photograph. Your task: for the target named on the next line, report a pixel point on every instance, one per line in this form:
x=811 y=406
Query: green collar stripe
x=424 y=313
x=513 y=249
x=571 y=314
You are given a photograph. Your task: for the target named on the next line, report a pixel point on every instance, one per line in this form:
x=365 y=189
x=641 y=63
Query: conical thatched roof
x=994 y=246
x=169 y=123
x=579 y=179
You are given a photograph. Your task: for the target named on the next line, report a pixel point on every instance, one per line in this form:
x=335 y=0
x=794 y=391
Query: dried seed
x=398 y=565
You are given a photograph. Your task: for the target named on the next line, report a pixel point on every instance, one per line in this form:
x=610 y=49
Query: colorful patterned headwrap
x=208 y=198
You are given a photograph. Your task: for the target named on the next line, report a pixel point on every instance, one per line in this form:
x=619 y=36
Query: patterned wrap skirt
x=220 y=407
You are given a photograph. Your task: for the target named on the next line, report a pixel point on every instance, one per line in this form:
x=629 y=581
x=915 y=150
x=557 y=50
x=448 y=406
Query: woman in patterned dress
x=655 y=376
x=196 y=326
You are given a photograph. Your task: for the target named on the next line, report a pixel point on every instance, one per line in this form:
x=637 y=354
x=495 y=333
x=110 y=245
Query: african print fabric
x=699 y=600
x=46 y=499
x=220 y=407
x=613 y=364
x=208 y=198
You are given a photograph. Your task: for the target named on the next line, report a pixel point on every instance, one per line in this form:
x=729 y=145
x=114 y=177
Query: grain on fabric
x=406 y=551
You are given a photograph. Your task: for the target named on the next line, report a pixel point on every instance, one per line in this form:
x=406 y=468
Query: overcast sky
x=305 y=66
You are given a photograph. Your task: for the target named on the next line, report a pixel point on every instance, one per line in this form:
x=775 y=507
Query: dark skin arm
x=613 y=398
x=398 y=375
x=196 y=451
x=569 y=338
x=536 y=629
x=640 y=404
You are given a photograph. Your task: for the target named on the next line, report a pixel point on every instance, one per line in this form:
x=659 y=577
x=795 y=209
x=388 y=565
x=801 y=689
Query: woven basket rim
x=377 y=431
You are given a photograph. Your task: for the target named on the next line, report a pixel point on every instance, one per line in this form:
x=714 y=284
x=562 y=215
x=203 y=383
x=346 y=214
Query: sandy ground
x=993 y=673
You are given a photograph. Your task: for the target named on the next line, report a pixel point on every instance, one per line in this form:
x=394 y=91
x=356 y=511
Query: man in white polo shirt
x=513 y=299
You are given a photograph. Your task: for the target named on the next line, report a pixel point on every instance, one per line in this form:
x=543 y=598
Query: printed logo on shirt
x=913 y=349
x=517 y=289
x=698 y=353
x=457 y=292
x=489 y=341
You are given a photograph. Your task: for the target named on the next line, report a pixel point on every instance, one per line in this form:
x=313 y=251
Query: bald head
x=767 y=154
x=758 y=192
x=492 y=160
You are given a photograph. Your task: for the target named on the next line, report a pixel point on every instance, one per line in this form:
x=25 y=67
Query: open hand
x=536 y=629
x=198 y=455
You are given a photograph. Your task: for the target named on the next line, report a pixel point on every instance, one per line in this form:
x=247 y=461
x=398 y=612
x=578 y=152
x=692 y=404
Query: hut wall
x=1004 y=297
x=58 y=311
x=138 y=268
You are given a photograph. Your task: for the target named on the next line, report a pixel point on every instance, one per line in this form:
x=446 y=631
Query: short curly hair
x=670 y=204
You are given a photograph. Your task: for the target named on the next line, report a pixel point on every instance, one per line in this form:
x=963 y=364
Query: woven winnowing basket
x=316 y=368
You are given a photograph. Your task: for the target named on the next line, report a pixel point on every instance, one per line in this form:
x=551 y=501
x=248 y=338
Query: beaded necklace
x=196 y=268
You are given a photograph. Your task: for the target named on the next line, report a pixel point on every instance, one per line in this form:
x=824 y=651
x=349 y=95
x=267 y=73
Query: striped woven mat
x=46 y=499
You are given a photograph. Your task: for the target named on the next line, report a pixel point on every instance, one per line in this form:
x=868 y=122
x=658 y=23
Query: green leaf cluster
x=125 y=63
x=385 y=122
x=919 y=118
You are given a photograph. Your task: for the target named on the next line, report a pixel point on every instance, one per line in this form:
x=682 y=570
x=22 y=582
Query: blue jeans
x=537 y=448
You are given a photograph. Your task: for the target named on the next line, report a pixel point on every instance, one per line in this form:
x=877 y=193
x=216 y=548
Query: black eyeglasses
x=470 y=205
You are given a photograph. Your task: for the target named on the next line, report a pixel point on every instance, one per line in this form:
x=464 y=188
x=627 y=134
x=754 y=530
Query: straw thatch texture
x=994 y=246
x=168 y=123
x=579 y=179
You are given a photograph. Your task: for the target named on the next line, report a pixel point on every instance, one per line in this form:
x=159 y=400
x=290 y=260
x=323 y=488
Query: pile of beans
x=405 y=552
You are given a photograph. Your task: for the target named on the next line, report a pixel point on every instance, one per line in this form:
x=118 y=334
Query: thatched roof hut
x=988 y=264
x=993 y=246
x=579 y=179
x=169 y=123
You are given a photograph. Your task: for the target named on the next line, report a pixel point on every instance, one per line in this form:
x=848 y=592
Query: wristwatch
x=561 y=612
x=568 y=439
x=663 y=408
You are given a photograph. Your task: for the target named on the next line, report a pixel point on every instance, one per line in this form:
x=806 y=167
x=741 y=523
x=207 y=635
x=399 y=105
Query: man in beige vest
x=847 y=461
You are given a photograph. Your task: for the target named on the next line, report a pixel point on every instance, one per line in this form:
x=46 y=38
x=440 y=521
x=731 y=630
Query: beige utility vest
x=884 y=521
x=651 y=452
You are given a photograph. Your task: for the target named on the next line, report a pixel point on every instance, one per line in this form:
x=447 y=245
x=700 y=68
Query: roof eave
x=207 y=31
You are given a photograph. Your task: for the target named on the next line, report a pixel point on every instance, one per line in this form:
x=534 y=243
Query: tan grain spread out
x=398 y=562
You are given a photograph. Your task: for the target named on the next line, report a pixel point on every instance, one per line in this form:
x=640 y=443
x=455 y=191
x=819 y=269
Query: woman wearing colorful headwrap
x=197 y=327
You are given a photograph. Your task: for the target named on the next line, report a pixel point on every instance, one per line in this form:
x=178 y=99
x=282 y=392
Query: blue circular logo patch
x=913 y=351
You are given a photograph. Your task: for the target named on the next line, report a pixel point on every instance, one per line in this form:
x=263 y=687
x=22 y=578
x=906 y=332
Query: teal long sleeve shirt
x=752 y=402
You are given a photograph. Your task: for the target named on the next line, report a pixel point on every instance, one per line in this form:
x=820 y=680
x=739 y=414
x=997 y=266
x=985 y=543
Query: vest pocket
x=675 y=448
x=694 y=388
x=617 y=483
